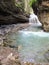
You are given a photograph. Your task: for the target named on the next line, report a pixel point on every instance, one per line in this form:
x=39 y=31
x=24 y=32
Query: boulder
x=43 y=15
x=9 y=56
x=10 y=13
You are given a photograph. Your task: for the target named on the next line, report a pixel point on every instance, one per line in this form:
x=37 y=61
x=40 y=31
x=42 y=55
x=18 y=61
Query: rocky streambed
x=23 y=44
x=9 y=54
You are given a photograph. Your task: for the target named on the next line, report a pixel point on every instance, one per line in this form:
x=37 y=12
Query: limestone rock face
x=44 y=18
x=44 y=15
x=10 y=13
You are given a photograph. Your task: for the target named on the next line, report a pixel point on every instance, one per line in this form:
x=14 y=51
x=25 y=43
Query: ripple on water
x=32 y=46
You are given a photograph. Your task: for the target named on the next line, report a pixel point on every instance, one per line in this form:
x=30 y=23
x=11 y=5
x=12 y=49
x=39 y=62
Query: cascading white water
x=33 y=20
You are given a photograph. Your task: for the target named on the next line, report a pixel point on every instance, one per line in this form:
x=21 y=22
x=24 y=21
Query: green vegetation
x=20 y=4
x=32 y=2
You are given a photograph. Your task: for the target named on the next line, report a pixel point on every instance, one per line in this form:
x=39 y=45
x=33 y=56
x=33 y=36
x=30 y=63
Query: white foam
x=40 y=33
x=33 y=20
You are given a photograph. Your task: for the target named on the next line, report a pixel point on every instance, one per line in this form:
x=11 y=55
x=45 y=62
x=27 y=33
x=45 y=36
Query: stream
x=32 y=41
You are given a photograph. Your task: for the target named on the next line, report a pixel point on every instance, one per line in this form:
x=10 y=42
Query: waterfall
x=33 y=20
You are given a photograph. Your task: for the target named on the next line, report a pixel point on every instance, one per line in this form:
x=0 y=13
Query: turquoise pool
x=33 y=44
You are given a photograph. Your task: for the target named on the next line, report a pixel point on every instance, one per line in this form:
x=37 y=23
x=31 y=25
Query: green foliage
x=20 y=5
x=32 y=2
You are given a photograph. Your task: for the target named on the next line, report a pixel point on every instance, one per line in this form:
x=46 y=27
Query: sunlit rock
x=44 y=15
x=44 y=18
x=9 y=56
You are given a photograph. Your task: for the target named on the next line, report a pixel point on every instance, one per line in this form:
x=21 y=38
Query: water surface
x=33 y=44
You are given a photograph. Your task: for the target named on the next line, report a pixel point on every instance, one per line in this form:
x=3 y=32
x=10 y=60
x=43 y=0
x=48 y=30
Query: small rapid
x=33 y=20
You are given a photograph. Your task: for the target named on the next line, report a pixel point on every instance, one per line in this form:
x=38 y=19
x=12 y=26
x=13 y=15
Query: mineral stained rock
x=44 y=15
x=44 y=18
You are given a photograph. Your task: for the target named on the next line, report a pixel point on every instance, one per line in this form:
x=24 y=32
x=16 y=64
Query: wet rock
x=9 y=56
x=10 y=30
x=46 y=55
